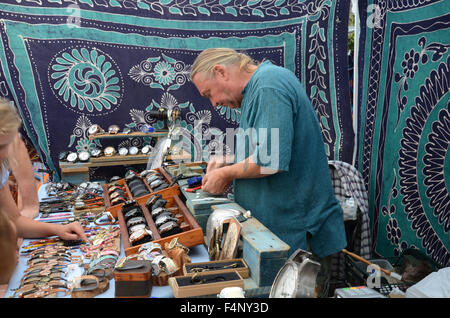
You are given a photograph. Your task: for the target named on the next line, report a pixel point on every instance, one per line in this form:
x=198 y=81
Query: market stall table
x=197 y=253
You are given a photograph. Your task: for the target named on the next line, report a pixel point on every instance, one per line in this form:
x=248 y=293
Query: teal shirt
x=280 y=129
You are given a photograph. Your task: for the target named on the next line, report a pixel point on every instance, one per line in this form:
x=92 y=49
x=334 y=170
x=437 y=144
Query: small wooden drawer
x=222 y=266
x=204 y=284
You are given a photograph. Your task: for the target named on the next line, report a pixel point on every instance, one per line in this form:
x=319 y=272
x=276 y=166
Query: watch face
x=109 y=151
x=94 y=129
x=95 y=152
x=72 y=157
x=123 y=151
x=84 y=156
x=145 y=150
x=133 y=150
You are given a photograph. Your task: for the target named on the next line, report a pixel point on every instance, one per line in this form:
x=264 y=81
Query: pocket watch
x=133 y=150
x=297 y=277
x=84 y=156
x=123 y=151
x=72 y=157
x=109 y=151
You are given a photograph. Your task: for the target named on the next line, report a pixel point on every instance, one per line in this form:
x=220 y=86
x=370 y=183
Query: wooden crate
x=165 y=193
x=243 y=269
x=191 y=234
x=182 y=289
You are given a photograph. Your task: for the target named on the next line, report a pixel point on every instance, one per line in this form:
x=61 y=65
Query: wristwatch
x=139 y=235
x=150 y=247
x=72 y=157
x=96 y=152
x=160 y=220
x=133 y=212
x=136 y=220
x=118 y=200
x=156 y=183
x=113 y=129
x=123 y=151
x=84 y=156
x=95 y=129
x=146 y=149
x=168 y=265
x=168 y=226
x=159 y=203
x=133 y=150
x=137 y=227
x=156 y=212
x=109 y=151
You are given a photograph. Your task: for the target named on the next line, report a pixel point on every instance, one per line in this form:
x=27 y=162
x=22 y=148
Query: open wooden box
x=222 y=265
x=191 y=234
x=183 y=286
x=168 y=192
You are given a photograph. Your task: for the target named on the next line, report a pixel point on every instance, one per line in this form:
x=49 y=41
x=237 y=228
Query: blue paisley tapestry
x=68 y=64
x=404 y=131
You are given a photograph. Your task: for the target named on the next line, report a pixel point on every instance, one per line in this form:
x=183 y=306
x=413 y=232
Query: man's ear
x=220 y=71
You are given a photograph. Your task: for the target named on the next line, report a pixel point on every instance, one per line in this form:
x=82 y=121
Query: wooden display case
x=191 y=234
x=165 y=193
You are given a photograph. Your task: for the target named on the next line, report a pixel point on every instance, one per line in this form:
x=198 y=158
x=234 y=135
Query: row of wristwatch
x=84 y=156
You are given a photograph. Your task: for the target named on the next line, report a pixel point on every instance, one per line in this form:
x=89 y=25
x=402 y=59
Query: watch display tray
x=216 y=267
x=191 y=234
x=180 y=259
x=183 y=286
x=167 y=192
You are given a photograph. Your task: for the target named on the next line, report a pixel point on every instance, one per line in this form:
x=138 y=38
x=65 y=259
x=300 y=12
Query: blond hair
x=205 y=61
x=10 y=122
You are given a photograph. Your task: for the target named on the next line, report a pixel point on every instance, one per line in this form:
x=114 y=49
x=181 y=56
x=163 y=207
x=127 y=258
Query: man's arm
x=218 y=180
x=22 y=170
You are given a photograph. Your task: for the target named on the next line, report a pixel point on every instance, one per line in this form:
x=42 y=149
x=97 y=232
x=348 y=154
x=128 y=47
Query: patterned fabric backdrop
x=68 y=64
x=404 y=133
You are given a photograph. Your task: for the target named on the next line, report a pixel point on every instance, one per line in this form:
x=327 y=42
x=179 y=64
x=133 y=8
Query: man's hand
x=72 y=232
x=216 y=181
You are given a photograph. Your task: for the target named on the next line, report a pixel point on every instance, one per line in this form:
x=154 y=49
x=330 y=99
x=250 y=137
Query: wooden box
x=170 y=191
x=263 y=251
x=183 y=287
x=134 y=281
x=191 y=234
x=224 y=266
